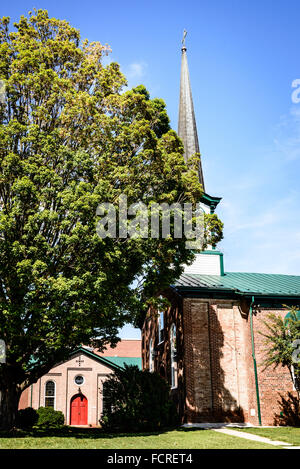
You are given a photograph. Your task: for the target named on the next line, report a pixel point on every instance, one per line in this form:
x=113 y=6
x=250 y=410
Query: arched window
x=173 y=356
x=106 y=404
x=160 y=326
x=50 y=394
x=151 y=361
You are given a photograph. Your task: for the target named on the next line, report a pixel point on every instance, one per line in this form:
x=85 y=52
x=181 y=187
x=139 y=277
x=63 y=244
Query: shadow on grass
x=85 y=433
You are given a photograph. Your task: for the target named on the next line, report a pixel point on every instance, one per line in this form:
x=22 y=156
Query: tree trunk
x=9 y=402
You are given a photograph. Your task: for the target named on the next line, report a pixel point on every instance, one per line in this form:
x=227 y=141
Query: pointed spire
x=187 y=129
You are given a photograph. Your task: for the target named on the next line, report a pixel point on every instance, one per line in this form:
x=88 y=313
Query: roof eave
x=184 y=290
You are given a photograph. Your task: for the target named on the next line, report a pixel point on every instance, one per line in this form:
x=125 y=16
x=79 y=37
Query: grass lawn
x=287 y=434
x=93 y=438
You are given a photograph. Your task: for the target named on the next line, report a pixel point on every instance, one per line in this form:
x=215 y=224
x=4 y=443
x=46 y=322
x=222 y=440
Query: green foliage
x=71 y=138
x=50 y=418
x=213 y=229
x=137 y=400
x=280 y=342
x=26 y=418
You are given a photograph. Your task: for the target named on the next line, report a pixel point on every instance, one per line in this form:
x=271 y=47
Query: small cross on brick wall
x=79 y=361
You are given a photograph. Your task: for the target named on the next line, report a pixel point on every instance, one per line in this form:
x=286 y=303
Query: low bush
x=50 y=418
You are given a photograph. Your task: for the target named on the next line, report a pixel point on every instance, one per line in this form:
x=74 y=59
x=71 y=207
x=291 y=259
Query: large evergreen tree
x=71 y=138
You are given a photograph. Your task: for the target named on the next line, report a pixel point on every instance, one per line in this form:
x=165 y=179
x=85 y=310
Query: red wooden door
x=79 y=407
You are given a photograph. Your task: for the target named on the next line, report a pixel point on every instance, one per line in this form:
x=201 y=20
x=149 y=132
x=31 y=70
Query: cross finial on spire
x=184 y=36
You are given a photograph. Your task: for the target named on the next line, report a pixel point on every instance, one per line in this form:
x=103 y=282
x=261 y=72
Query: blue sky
x=243 y=57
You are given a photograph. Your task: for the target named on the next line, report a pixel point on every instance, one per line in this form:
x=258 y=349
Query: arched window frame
x=106 y=405
x=50 y=396
x=160 y=327
x=173 y=347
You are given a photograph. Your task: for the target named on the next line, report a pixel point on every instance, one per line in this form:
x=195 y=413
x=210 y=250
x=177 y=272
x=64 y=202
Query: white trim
x=174 y=370
x=208 y=264
x=161 y=329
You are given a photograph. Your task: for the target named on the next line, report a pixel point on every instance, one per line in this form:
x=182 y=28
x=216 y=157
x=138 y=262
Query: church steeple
x=209 y=261
x=187 y=128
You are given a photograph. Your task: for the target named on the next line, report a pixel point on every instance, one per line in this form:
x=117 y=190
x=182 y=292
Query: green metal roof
x=111 y=362
x=209 y=200
x=242 y=283
x=104 y=360
x=121 y=361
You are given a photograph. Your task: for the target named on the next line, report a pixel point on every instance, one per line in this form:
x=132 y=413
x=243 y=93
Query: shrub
x=50 y=418
x=26 y=418
x=136 y=400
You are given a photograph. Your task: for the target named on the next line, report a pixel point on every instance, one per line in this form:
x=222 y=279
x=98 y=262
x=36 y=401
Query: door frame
x=71 y=400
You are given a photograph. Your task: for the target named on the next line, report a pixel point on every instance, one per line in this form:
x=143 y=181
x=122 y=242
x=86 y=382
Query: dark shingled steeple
x=187 y=129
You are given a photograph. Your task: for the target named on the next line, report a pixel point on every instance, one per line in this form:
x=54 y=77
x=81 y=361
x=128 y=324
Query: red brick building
x=203 y=345
x=76 y=386
x=208 y=343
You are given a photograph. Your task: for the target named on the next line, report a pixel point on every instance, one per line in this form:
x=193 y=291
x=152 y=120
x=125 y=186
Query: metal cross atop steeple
x=183 y=39
x=187 y=129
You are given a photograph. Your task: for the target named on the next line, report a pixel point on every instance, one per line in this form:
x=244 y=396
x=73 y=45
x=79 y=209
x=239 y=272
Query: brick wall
x=63 y=375
x=162 y=351
x=216 y=349
x=215 y=364
x=124 y=348
x=274 y=383
x=25 y=399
